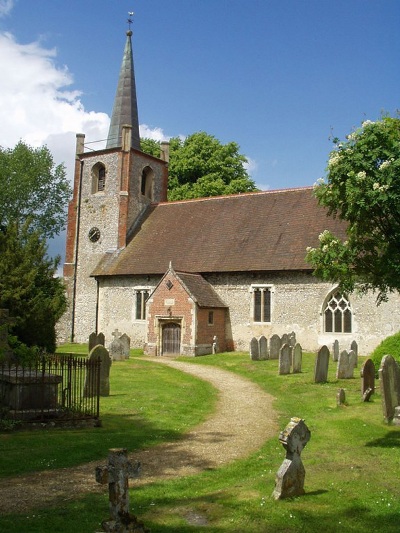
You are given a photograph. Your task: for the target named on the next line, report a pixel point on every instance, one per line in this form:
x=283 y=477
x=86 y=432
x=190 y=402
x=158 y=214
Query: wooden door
x=171 y=339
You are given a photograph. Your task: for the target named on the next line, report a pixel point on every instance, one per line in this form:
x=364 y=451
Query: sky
x=279 y=77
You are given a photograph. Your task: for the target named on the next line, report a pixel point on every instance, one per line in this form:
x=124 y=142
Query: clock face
x=94 y=234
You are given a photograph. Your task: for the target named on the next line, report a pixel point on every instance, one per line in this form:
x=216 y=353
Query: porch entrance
x=171 y=339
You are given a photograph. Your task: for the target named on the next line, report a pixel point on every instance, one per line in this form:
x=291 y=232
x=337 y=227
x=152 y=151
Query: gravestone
x=290 y=477
x=297 y=357
x=389 y=380
x=335 y=351
x=116 y=474
x=90 y=389
x=346 y=364
x=126 y=341
x=367 y=373
x=284 y=360
x=292 y=339
x=95 y=339
x=254 y=350
x=321 y=365
x=354 y=347
x=117 y=347
x=285 y=339
x=263 y=347
x=274 y=346
x=341 y=397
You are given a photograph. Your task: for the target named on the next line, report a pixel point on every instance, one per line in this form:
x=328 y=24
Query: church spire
x=125 y=103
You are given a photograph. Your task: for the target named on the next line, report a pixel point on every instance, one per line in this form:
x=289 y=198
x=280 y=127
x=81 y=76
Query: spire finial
x=130 y=21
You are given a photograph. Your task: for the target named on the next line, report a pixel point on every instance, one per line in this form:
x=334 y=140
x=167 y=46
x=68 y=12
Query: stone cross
x=116 y=474
x=290 y=476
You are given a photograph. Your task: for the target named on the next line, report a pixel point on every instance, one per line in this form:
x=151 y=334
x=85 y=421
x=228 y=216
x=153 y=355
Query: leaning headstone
x=321 y=365
x=341 y=397
x=367 y=373
x=285 y=339
x=116 y=475
x=284 y=360
x=274 y=346
x=292 y=339
x=354 y=347
x=389 y=379
x=335 y=351
x=297 y=357
x=99 y=352
x=254 y=350
x=263 y=347
x=126 y=341
x=346 y=364
x=290 y=477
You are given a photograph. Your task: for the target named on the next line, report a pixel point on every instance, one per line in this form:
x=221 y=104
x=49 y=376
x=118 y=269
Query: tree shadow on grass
x=390 y=440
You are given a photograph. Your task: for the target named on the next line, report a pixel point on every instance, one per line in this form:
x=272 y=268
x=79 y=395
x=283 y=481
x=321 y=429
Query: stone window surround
x=333 y=294
x=98 y=182
x=143 y=313
x=264 y=287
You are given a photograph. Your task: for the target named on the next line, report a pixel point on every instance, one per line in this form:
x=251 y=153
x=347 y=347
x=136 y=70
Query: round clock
x=94 y=234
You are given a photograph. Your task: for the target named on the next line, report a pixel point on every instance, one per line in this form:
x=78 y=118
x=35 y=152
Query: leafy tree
x=28 y=286
x=201 y=166
x=31 y=186
x=363 y=188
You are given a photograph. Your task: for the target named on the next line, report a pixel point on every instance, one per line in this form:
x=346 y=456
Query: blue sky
x=279 y=77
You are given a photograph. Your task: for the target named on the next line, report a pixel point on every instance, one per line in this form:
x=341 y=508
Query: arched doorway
x=171 y=339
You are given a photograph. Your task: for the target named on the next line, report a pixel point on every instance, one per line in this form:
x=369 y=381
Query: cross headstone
x=254 y=350
x=126 y=341
x=117 y=347
x=274 y=346
x=99 y=352
x=367 y=373
x=321 y=365
x=335 y=351
x=290 y=477
x=346 y=364
x=116 y=474
x=389 y=379
x=263 y=347
x=297 y=357
x=284 y=360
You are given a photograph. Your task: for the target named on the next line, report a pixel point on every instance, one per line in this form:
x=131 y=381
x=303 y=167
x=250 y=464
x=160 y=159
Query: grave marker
x=297 y=357
x=321 y=365
x=367 y=373
x=254 y=350
x=389 y=379
x=274 y=346
x=263 y=347
x=284 y=360
x=335 y=351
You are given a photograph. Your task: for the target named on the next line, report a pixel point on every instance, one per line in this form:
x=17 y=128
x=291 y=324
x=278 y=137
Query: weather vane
x=130 y=14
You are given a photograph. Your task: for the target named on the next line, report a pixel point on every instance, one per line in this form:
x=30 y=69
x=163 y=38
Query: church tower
x=113 y=188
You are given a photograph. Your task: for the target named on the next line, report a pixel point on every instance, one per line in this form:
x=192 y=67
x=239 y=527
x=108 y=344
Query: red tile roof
x=264 y=231
x=202 y=292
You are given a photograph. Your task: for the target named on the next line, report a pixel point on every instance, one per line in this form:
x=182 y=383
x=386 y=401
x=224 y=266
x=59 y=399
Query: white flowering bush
x=362 y=187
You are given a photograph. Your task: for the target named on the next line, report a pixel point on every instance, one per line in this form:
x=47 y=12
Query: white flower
x=352 y=136
x=385 y=164
x=333 y=159
x=322 y=236
x=361 y=175
x=367 y=123
x=325 y=248
x=375 y=186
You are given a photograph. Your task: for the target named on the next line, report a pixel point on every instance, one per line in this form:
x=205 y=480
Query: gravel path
x=244 y=419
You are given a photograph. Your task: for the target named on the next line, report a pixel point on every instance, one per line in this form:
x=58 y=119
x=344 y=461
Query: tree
x=32 y=186
x=201 y=166
x=28 y=286
x=362 y=187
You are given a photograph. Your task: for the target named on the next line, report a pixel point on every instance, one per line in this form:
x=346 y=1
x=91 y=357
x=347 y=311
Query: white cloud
x=5 y=7
x=157 y=134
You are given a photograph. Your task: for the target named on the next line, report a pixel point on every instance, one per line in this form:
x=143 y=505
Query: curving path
x=243 y=420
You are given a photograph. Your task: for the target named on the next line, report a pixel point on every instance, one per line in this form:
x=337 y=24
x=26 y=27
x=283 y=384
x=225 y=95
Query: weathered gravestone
x=95 y=339
x=117 y=347
x=126 y=341
x=297 y=356
x=263 y=347
x=346 y=365
x=341 y=397
x=292 y=339
x=389 y=379
x=335 y=351
x=274 y=346
x=254 y=350
x=290 y=477
x=285 y=339
x=93 y=380
x=367 y=373
x=321 y=365
x=284 y=359
x=116 y=474
x=354 y=348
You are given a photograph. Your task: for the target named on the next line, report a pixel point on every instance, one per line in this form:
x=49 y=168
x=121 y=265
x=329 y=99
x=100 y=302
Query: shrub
x=389 y=346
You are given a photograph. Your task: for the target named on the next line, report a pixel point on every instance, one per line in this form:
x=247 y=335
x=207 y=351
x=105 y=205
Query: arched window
x=146 y=186
x=98 y=178
x=337 y=314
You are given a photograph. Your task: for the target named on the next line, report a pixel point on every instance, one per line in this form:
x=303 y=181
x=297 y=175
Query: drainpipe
x=78 y=223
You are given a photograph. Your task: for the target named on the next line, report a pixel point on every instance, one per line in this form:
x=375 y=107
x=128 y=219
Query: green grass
x=352 y=461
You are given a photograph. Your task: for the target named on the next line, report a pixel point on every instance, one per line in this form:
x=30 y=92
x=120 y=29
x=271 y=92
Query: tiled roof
x=200 y=290
x=265 y=231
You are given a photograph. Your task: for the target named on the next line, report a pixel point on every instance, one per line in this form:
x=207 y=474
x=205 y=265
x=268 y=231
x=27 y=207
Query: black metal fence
x=58 y=388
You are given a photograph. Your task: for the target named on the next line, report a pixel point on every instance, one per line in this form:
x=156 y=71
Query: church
x=197 y=276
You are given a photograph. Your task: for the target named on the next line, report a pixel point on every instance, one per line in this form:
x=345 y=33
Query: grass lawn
x=352 y=461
